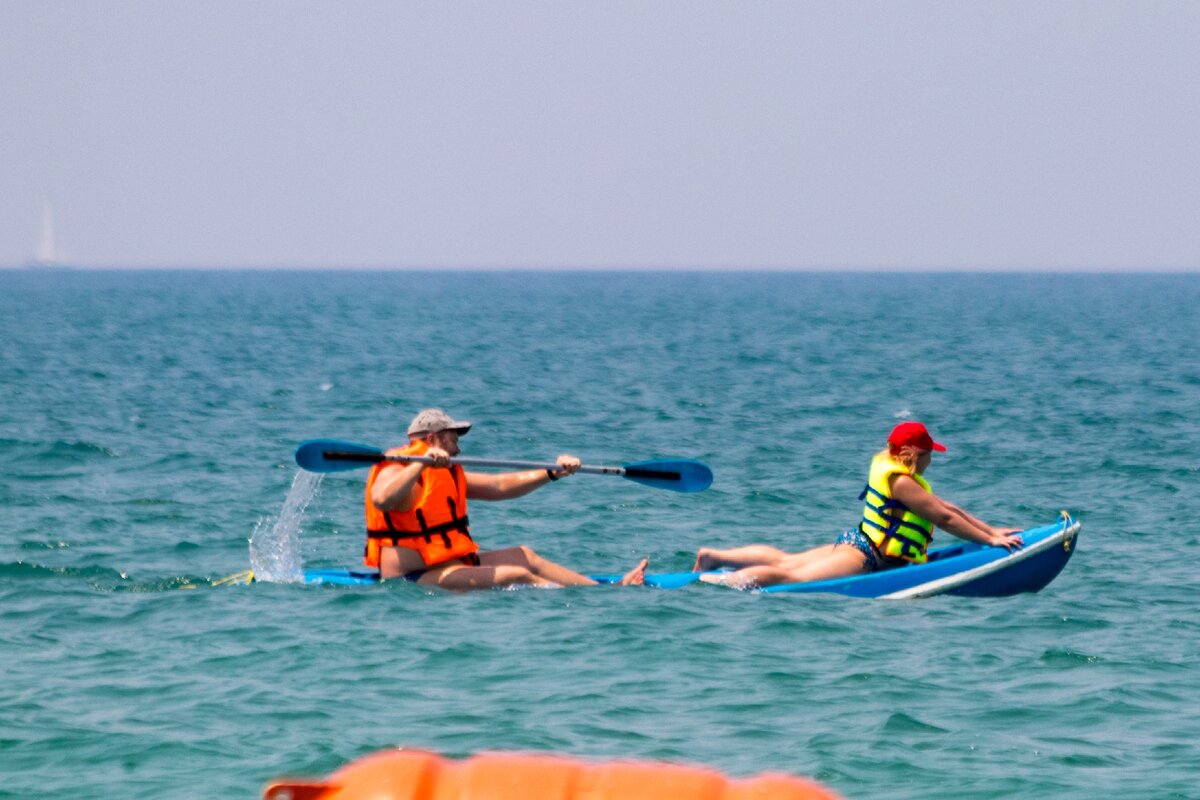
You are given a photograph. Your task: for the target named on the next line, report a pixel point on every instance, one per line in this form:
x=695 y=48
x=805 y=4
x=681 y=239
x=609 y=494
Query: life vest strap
x=387 y=539
x=906 y=544
x=881 y=501
x=886 y=504
x=461 y=525
x=456 y=523
x=897 y=525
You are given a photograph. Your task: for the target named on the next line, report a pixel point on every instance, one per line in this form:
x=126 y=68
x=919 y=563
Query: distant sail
x=47 y=252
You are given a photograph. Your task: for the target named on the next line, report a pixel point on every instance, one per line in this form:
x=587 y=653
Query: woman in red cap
x=898 y=518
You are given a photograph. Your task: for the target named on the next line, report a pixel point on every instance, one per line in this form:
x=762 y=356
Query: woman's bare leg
x=754 y=554
x=838 y=562
x=795 y=561
x=757 y=555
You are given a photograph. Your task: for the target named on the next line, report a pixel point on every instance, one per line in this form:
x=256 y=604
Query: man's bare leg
x=459 y=578
x=637 y=575
x=545 y=568
x=527 y=558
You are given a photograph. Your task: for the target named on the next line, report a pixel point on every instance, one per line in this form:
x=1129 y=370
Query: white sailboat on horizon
x=47 y=252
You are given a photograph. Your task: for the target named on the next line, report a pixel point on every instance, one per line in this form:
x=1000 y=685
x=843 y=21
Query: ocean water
x=147 y=423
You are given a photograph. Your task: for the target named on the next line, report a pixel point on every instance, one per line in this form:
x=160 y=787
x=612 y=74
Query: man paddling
x=417 y=526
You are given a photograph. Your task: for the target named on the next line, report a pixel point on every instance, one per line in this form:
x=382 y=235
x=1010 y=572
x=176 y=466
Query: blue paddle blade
x=330 y=455
x=678 y=475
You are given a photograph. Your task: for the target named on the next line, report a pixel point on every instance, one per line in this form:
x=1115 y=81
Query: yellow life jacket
x=436 y=527
x=888 y=523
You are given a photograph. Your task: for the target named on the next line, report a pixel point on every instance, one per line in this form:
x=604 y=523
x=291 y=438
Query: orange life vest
x=436 y=527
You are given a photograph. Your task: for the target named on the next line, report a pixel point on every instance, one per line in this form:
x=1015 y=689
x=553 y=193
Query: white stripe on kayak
x=942 y=585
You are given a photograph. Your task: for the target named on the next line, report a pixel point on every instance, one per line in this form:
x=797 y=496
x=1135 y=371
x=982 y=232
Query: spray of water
x=275 y=544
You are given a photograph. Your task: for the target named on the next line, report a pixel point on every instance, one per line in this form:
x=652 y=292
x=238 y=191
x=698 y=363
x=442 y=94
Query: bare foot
x=703 y=560
x=637 y=575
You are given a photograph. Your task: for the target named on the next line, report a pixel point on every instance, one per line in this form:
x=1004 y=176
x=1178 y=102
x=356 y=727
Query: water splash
x=275 y=545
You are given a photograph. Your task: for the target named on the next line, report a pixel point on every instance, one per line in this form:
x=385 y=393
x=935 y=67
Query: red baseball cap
x=913 y=434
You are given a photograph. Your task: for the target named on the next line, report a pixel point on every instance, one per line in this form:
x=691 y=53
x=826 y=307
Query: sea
x=148 y=421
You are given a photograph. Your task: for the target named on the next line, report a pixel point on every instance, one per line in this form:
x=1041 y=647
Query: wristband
x=552 y=475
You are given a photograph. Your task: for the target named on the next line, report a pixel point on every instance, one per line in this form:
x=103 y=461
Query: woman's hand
x=1008 y=538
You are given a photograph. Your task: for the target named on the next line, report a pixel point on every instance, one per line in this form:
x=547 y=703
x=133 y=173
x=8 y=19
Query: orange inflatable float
x=420 y=775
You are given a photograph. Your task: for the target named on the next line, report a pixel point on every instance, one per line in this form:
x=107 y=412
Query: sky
x=602 y=135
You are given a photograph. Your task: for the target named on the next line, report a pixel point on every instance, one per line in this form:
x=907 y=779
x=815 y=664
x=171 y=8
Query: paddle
x=678 y=475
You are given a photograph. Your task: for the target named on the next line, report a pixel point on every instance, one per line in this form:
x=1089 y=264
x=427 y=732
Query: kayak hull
x=367 y=577
x=341 y=577
x=966 y=569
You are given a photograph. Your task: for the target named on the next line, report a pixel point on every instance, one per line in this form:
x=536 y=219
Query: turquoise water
x=147 y=424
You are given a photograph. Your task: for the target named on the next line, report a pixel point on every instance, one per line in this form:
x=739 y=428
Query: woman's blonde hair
x=905 y=456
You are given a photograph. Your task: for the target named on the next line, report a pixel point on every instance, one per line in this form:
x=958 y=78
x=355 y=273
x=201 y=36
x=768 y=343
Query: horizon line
x=732 y=270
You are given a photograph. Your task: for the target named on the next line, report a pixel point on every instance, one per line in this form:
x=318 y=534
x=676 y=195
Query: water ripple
x=152 y=442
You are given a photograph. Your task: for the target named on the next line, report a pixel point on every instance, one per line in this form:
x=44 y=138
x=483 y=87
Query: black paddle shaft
x=653 y=474
x=630 y=472
x=366 y=458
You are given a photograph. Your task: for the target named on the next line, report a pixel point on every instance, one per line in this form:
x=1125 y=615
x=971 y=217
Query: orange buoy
x=421 y=775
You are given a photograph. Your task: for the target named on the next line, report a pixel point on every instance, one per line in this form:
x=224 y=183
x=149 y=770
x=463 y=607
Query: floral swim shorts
x=859 y=541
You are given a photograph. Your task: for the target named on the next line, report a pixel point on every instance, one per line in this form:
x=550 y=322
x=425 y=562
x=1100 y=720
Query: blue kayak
x=966 y=569
x=963 y=568
x=365 y=577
